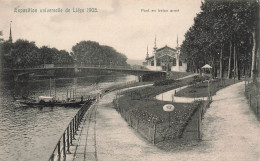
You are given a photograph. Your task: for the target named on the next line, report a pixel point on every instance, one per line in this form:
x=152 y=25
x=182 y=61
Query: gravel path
x=230 y=132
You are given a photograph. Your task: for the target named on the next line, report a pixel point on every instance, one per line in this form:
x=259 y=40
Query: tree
x=221 y=33
x=91 y=53
x=25 y=54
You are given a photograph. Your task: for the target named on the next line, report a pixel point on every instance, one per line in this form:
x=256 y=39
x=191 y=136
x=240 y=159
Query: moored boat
x=51 y=101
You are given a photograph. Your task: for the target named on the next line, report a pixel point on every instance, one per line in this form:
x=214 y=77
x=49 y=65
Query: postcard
x=119 y=80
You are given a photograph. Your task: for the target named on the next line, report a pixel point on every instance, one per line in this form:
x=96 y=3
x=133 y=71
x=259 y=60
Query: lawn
x=176 y=75
x=152 y=110
x=202 y=89
x=157 y=88
x=150 y=113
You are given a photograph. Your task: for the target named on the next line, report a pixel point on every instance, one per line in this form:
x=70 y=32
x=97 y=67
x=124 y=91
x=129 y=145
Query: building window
x=158 y=62
x=174 y=62
x=180 y=63
x=152 y=63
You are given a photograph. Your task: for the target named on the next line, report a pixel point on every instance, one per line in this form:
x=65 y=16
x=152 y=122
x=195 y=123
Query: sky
x=122 y=24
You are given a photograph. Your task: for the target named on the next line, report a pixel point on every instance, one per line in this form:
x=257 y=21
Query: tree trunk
x=229 y=61
x=220 y=63
x=237 y=64
x=253 y=66
x=213 y=68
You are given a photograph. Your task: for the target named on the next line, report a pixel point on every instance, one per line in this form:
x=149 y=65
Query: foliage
x=23 y=53
x=91 y=53
x=220 y=28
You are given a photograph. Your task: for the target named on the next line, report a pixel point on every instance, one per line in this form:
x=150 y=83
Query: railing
x=100 y=66
x=252 y=94
x=65 y=141
x=79 y=66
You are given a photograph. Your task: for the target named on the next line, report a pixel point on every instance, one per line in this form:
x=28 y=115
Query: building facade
x=165 y=59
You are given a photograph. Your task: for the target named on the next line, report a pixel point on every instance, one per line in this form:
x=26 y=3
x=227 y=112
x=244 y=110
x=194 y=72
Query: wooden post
x=208 y=88
x=250 y=100
x=130 y=120
x=257 y=109
x=54 y=89
x=70 y=133
x=198 y=123
x=59 y=148
x=78 y=121
x=75 y=93
x=50 y=87
x=149 y=133
x=52 y=157
x=73 y=127
x=68 y=140
x=137 y=124
x=154 y=134
x=75 y=119
x=245 y=85
x=72 y=93
x=64 y=145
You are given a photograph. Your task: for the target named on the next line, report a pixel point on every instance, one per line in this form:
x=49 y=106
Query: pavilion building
x=165 y=59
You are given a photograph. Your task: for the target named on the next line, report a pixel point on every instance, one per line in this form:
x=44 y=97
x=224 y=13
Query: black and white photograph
x=129 y=80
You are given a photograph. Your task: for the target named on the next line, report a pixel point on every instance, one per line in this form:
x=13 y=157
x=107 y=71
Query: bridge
x=73 y=69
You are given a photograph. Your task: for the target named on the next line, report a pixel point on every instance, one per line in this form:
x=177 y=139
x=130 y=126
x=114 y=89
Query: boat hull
x=51 y=104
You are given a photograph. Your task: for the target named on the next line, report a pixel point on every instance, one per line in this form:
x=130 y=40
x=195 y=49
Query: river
x=30 y=133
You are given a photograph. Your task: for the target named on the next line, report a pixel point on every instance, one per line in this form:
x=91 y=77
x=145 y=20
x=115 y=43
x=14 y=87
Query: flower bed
x=144 y=116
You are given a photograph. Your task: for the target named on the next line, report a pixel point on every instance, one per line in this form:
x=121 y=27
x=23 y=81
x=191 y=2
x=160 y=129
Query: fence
x=65 y=141
x=253 y=97
x=157 y=132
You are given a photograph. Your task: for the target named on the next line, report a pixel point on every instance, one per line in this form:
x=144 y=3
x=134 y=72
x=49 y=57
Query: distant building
x=165 y=59
x=6 y=57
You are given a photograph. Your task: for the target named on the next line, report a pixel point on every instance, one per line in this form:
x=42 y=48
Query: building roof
x=151 y=57
x=207 y=66
x=165 y=47
x=182 y=57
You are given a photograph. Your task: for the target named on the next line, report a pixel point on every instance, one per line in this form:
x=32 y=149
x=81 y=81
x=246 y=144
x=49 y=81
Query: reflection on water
x=30 y=133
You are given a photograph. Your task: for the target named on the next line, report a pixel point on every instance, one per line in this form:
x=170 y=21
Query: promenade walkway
x=230 y=132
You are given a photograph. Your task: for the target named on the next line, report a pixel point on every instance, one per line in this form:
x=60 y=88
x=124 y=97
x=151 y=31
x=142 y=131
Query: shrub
x=164 y=82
